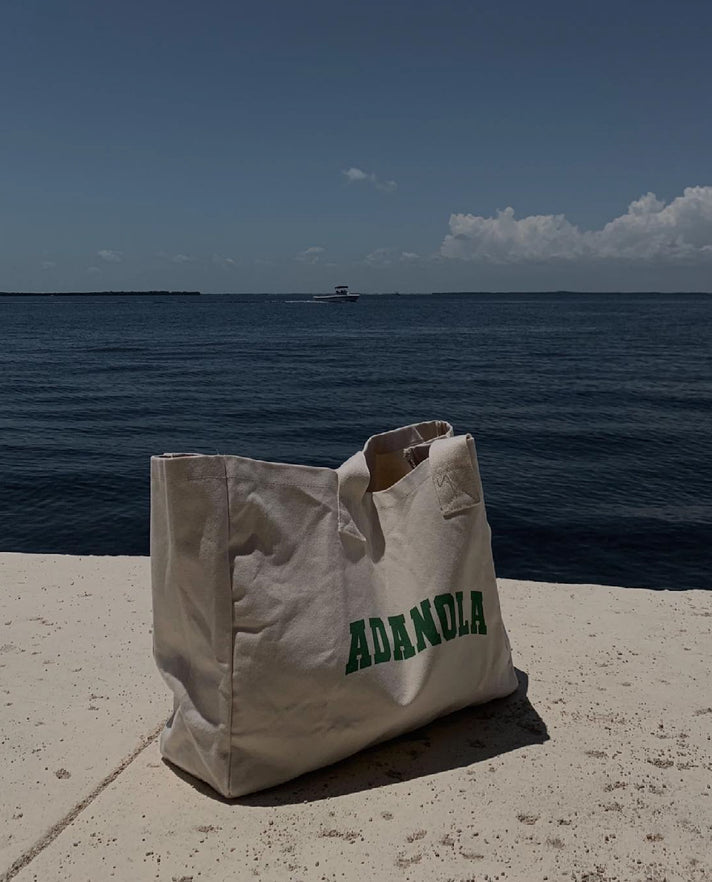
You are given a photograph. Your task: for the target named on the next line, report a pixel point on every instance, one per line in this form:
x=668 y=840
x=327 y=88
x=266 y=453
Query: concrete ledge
x=598 y=768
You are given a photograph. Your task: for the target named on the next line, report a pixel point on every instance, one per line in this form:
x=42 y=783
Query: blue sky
x=410 y=146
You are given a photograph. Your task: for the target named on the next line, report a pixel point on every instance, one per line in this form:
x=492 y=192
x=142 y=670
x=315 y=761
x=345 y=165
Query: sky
x=412 y=146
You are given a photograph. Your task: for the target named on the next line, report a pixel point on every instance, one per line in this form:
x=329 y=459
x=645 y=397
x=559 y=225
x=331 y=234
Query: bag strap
x=353 y=478
x=455 y=475
x=453 y=471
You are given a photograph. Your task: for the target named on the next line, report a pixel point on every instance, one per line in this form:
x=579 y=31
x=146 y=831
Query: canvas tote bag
x=302 y=613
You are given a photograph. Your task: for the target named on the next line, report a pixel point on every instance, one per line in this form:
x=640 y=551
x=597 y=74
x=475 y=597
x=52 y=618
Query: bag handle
x=455 y=475
x=353 y=478
x=453 y=471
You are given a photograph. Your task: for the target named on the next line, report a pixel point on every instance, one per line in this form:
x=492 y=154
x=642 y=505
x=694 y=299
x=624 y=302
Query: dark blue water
x=592 y=413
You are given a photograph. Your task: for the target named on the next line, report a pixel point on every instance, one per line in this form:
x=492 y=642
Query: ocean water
x=592 y=414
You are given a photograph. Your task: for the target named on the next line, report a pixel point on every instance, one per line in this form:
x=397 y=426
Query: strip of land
x=598 y=768
x=99 y=293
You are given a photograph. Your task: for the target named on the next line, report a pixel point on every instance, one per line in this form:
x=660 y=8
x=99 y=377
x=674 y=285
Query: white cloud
x=356 y=174
x=175 y=258
x=224 y=262
x=93 y=271
x=650 y=231
x=109 y=256
x=47 y=264
x=311 y=254
x=383 y=257
x=380 y=257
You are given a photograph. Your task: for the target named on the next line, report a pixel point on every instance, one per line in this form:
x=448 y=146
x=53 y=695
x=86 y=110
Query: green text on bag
x=372 y=642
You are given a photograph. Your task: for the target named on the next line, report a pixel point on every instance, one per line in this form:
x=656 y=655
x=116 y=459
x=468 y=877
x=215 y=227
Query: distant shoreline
x=99 y=293
x=573 y=293
x=387 y=294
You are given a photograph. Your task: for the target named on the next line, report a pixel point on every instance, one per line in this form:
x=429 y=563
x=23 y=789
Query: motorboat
x=341 y=295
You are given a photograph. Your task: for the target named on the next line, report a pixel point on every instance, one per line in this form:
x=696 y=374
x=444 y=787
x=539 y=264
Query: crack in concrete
x=62 y=824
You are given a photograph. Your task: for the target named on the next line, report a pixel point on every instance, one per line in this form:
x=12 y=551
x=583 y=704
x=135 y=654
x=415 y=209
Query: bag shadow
x=464 y=738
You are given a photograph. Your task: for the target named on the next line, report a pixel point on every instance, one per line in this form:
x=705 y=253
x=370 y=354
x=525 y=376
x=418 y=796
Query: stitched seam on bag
x=275 y=483
x=457 y=492
x=232 y=643
x=255 y=481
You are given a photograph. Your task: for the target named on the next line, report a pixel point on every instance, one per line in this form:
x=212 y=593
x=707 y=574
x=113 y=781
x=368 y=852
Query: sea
x=592 y=413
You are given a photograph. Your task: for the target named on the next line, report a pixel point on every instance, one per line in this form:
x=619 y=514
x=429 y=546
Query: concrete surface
x=79 y=692
x=598 y=768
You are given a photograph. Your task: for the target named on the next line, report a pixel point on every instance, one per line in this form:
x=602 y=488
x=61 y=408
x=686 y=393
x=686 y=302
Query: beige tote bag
x=301 y=613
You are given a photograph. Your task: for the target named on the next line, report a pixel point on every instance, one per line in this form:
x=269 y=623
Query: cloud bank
x=650 y=231
x=353 y=175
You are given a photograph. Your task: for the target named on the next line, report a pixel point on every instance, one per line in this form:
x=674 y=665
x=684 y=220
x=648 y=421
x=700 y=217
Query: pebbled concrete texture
x=78 y=687
x=598 y=768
